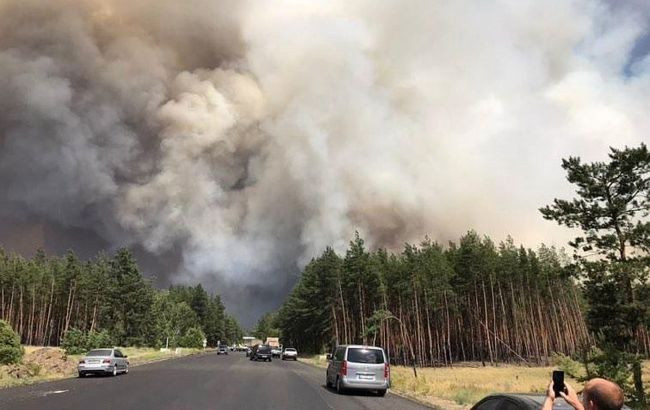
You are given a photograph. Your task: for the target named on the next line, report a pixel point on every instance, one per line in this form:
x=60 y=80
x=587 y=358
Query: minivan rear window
x=371 y=356
x=264 y=349
x=105 y=352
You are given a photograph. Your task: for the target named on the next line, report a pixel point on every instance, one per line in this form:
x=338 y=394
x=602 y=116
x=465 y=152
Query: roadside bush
x=74 y=341
x=569 y=366
x=10 y=349
x=193 y=338
x=95 y=340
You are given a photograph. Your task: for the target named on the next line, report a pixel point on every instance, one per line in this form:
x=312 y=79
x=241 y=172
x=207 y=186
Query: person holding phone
x=598 y=394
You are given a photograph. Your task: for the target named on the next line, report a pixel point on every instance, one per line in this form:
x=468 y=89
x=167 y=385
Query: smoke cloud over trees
x=231 y=141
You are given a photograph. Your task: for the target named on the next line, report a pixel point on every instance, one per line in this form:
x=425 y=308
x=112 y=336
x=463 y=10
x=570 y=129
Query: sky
x=229 y=142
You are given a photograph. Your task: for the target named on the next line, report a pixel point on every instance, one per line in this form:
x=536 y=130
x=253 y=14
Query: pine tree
x=612 y=211
x=132 y=297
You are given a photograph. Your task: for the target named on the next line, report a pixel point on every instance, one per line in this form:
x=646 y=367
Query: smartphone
x=558 y=383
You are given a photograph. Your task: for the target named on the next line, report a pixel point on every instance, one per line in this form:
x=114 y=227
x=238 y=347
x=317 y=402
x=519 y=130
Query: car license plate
x=366 y=377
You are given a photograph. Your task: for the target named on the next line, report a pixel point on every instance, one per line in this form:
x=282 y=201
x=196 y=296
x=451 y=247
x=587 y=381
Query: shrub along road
x=199 y=382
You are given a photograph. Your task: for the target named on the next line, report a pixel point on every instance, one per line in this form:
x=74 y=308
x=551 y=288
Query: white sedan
x=103 y=361
x=290 y=353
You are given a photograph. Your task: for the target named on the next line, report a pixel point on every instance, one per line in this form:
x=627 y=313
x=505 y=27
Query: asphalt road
x=200 y=382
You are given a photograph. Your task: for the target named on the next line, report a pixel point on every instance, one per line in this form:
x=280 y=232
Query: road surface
x=199 y=382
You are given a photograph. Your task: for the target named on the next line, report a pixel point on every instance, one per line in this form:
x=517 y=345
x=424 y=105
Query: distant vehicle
x=223 y=349
x=520 y=401
x=358 y=367
x=248 y=351
x=290 y=354
x=103 y=361
x=273 y=341
x=261 y=352
x=276 y=352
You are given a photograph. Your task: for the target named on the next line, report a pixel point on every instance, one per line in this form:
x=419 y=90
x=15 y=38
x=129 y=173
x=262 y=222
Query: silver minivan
x=103 y=361
x=358 y=367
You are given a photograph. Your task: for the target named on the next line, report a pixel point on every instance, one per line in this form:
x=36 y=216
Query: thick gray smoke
x=241 y=138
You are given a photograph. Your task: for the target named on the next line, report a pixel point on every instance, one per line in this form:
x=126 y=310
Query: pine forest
x=433 y=305
x=46 y=297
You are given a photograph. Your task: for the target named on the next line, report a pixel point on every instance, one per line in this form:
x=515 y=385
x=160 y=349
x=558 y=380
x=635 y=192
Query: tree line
x=46 y=297
x=469 y=301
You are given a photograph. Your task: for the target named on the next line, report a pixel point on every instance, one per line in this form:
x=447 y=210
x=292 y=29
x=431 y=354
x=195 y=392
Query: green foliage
x=565 y=363
x=267 y=326
x=108 y=293
x=233 y=332
x=75 y=341
x=614 y=365
x=612 y=210
x=10 y=349
x=193 y=338
x=131 y=297
x=612 y=205
x=96 y=340
x=304 y=320
x=172 y=319
x=374 y=323
x=348 y=300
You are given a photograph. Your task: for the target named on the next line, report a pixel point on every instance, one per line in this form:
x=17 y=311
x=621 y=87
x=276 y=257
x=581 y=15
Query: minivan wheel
x=327 y=382
x=114 y=370
x=81 y=374
x=381 y=393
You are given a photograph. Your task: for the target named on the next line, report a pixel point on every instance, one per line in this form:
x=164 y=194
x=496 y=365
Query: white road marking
x=47 y=393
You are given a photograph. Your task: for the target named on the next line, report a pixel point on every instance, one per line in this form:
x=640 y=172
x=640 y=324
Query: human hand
x=571 y=397
x=550 y=393
x=550 y=397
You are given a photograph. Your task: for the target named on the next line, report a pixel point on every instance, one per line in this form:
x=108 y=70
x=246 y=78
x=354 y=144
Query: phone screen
x=558 y=382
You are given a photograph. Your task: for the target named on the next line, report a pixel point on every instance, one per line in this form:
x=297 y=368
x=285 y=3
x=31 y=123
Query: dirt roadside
x=41 y=364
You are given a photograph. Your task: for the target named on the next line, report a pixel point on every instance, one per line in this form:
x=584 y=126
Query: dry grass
x=318 y=361
x=465 y=384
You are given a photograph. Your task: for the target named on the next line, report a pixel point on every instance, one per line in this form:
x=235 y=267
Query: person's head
x=601 y=394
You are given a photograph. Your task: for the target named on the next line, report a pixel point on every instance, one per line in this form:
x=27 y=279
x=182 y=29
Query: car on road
x=223 y=349
x=248 y=351
x=261 y=352
x=289 y=354
x=358 y=367
x=276 y=352
x=519 y=402
x=103 y=361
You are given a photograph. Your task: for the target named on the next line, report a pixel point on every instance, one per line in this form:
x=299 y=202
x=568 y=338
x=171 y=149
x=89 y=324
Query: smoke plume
x=239 y=138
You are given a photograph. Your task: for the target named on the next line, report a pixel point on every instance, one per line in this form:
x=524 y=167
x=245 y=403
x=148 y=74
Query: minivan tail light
x=106 y=361
x=344 y=368
x=386 y=370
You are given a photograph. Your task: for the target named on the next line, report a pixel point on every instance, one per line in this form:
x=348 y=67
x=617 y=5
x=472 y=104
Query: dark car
x=519 y=402
x=261 y=352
